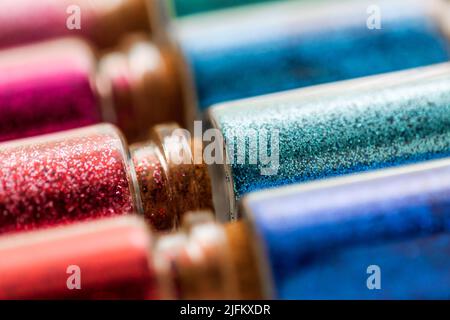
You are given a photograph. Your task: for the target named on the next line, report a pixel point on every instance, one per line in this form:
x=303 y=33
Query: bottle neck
x=206 y=260
x=143 y=86
x=442 y=10
x=170 y=183
x=115 y=19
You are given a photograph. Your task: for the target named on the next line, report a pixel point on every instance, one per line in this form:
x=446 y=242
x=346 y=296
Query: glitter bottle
x=180 y=8
x=103 y=22
x=117 y=258
x=254 y=50
x=60 y=85
x=89 y=173
x=108 y=259
x=379 y=235
x=331 y=130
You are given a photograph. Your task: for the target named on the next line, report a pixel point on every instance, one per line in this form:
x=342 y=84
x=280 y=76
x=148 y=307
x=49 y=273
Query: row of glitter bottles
x=392 y=243
x=65 y=83
x=323 y=131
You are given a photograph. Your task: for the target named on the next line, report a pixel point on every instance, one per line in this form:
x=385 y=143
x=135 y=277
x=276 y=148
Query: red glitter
x=117 y=266
x=76 y=175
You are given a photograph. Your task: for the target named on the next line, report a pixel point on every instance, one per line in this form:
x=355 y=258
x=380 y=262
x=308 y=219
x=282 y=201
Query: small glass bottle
x=103 y=22
x=329 y=130
x=281 y=45
x=119 y=258
x=103 y=259
x=180 y=8
x=379 y=235
x=60 y=85
x=89 y=173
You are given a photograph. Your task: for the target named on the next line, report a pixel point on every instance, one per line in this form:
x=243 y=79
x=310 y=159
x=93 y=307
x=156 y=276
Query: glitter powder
x=27 y=20
x=170 y=189
x=60 y=84
x=248 y=52
x=47 y=88
x=76 y=175
x=183 y=8
x=153 y=183
x=338 y=129
x=330 y=232
x=103 y=22
x=113 y=255
x=88 y=173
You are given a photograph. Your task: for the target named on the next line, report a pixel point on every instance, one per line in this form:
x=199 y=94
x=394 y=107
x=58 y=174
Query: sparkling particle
x=60 y=178
x=47 y=88
x=330 y=232
x=277 y=47
x=343 y=128
x=153 y=184
x=168 y=190
x=183 y=8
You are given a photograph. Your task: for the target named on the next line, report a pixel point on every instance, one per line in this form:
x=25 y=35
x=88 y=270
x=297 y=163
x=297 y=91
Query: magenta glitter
x=47 y=88
x=60 y=178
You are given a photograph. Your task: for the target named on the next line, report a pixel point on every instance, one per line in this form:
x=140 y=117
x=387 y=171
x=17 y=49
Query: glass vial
x=60 y=85
x=180 y=8
x=104 y=259
x=292 y=44
x=90 y=173
x=379 y=235
x=126 y=262
x=330 y=130
x=103 y=22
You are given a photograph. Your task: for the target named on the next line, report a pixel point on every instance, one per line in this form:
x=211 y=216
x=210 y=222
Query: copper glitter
x=169 y=189
x=153 y=182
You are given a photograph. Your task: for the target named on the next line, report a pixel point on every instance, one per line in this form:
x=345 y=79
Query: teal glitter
x=339 y=129
x=188 y=7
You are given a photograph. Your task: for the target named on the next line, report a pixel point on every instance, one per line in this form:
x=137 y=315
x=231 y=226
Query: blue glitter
x=245 y=53
x=342 y=128
x=319 y=239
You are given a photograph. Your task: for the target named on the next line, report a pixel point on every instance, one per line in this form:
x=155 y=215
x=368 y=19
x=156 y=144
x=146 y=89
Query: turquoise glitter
x=188 y=7
x=343 y=128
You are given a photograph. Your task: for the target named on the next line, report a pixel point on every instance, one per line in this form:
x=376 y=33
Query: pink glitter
x=76 y=175
x=47 y=88
x=32 y=20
